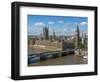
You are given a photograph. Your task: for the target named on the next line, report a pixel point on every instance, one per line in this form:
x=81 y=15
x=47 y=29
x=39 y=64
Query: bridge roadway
x=33 y=58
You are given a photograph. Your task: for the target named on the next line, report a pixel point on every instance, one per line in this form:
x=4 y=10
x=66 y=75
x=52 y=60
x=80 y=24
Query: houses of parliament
x=47 y=42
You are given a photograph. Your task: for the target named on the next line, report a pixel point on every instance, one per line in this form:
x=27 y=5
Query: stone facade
x=52 y=42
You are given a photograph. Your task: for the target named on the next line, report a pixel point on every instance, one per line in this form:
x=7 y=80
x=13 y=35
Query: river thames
x=71 y=59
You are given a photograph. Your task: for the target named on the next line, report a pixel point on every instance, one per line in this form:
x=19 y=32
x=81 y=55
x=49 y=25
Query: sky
x=62 y=25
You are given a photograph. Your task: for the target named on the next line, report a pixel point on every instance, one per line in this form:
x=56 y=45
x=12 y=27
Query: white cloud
x=51 y=22
x=83 y=24
x=69 y=25
x=39 y=24
x=34 y=31
x=75 y=24
x=61 y=21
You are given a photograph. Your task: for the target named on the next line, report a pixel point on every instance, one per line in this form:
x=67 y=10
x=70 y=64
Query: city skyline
x=62 y=25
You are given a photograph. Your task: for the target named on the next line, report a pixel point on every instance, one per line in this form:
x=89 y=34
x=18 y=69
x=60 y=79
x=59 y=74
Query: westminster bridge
x=65 y=57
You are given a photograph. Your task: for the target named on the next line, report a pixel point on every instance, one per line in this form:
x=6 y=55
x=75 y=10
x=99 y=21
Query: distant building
x=83 y=39
x=67 y=44
x=40 y=38
x=77 y=38
x=54 y=35
x=50 y=38
x=45 y=33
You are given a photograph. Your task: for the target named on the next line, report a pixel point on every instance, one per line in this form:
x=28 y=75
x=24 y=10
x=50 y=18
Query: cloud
x=83 y=24
x=75 y=24
x=34 y=31
x=51 y=22
x=39 y=24
x=61 y=21
x=69 y=25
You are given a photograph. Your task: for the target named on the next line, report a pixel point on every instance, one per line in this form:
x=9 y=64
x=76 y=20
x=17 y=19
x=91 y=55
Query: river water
x=63 y=60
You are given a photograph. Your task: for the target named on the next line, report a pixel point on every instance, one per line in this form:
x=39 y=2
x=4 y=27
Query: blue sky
x=62 y=25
